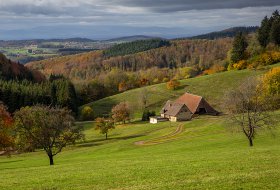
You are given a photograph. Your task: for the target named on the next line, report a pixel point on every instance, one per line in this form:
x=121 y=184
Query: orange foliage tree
x=121 y=112
x=173 y=84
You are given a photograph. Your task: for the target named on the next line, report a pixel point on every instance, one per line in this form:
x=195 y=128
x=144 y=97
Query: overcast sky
x=101 y=19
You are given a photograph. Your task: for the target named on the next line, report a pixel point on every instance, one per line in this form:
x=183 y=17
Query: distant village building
x=184 y=108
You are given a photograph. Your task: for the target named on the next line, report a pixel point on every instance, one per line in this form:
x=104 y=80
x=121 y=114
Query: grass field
x=205 y=155
x=212 y=87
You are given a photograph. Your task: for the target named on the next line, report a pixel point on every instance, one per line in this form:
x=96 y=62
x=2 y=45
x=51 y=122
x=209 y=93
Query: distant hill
x=230 y=32
x=201 y=54
x=130 y=38
x=11 y=70
x=4 y=43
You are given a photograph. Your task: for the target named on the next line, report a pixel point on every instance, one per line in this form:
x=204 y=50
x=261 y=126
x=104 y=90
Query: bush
x=147 y=114
x=240 y=65
x=87 y=113
x=267 y=58
x=173 y=84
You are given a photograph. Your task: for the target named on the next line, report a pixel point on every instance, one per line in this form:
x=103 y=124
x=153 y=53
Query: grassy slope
x=212 y=87
x=205 y=156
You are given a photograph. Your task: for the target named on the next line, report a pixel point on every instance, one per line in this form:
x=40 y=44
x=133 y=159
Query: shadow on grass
x=99 y=142
x=11 y=161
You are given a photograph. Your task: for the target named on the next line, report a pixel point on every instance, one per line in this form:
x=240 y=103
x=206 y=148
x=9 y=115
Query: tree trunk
x=51 y=159
x=250 y=141
x=106 y=136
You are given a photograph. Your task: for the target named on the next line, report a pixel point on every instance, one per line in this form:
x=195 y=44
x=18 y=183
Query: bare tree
x=249 y=108
x=143 y=98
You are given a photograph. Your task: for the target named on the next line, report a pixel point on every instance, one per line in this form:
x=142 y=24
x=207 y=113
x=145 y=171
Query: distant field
x=212 y=87
x=204 y=156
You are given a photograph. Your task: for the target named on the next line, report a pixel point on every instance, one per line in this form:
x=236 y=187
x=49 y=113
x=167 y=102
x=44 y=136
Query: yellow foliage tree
x=87 y=113
x=271 y=86
x=271 y=81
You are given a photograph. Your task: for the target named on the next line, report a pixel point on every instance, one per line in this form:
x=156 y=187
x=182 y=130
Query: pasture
x=204 y=155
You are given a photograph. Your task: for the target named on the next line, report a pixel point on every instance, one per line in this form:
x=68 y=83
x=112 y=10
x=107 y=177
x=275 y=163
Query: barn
x=186 y=107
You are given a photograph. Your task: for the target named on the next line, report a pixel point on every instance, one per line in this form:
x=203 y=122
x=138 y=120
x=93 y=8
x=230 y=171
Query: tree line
x=17 y=94
x=135 y=47
x=257 y=50
x=269 y=30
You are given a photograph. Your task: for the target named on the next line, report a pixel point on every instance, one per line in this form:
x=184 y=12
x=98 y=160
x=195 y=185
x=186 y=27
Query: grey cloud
x=185 y=5
x=91 y=7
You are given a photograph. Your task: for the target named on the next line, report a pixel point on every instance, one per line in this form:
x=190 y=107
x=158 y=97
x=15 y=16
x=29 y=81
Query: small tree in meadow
x=51 y=129
x=249 y=109
x=121 y=112
x=104 y=125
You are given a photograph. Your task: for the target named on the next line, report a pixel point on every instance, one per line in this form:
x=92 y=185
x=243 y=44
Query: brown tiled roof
x=174 y=110
x=191 y=101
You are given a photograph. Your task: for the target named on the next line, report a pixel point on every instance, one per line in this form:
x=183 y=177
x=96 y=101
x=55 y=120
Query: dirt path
x=169 y=137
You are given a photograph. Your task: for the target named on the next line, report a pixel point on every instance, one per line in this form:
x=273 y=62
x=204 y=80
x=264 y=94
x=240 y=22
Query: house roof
x=191 y=101
x=175 y=109
x=166 y=107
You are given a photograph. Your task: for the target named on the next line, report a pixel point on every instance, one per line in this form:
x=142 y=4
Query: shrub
x=87 y=113
x=240 y=65
x=147 y=114
x=173 y=84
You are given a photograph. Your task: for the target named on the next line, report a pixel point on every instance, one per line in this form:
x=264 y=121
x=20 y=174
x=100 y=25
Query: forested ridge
x=20 y=86
x=11 y=70
x=201 y=54
x=101 y=76
x=135 y=47
x=230 y=32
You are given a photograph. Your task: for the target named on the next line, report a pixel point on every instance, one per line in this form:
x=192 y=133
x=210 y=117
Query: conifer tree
x=275 y=28
x=239 y=48
x=263 y=32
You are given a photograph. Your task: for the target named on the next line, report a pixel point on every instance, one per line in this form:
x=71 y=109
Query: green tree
x=104 y=125
x=147 y=114
x=275 y=28
x=239 y=47
x=51 y=129
x=264 y=32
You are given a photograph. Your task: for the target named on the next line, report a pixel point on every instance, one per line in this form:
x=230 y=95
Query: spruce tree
x=239 y=48
x=275 y=28
x=264 y=31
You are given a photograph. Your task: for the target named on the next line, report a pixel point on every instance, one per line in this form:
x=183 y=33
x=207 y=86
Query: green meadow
x=207 y=154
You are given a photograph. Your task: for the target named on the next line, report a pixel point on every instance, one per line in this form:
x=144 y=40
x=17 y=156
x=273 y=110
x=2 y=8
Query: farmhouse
x=185 y=108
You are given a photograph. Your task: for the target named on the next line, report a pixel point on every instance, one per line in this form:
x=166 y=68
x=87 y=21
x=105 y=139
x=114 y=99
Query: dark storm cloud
x=185 y=5
x=99 y=18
